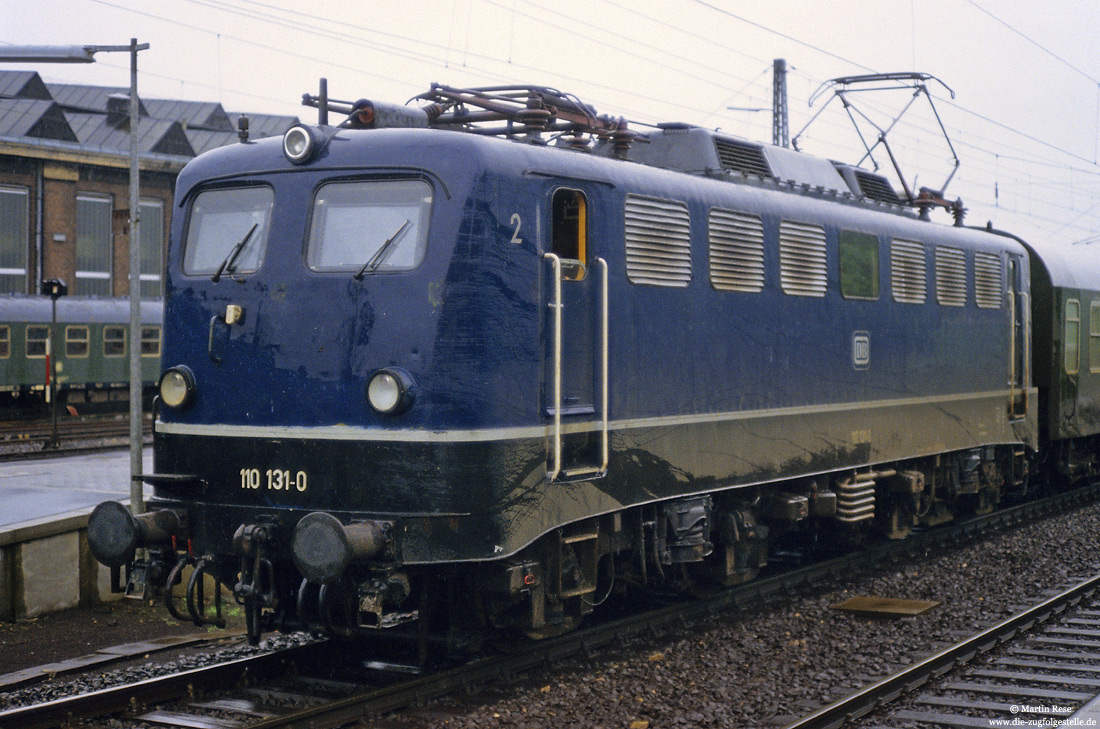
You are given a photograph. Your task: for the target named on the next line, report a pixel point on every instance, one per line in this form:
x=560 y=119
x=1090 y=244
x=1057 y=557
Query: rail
x=872 y=697
x=371 y=701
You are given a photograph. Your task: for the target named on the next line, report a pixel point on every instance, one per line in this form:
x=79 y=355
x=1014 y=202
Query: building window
x=76 y=341
x=1072 y=341
x=658 y=241
x=736 y=251
x=150 y=341
x=858 y=265
x=94 y=249
x=114 y=341
x=907 y=271
x=14 y=239
x=37 y=336
x=151 y=231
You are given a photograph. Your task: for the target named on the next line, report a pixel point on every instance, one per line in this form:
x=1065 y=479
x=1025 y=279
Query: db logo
x=861 y=350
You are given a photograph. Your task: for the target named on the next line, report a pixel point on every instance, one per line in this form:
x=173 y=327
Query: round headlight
x=299 y=144
x=390 y=391
x=177 y=387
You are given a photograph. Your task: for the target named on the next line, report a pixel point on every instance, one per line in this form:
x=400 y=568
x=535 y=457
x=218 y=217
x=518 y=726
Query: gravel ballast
x=776 y=665
x=765 y=668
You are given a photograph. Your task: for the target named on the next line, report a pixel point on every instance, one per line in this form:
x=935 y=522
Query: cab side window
x=569 y=232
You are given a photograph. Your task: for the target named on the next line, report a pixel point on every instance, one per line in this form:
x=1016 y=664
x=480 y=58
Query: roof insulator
x=621 y=139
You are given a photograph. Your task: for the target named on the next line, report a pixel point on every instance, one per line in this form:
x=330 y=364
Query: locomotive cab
x=340 y=340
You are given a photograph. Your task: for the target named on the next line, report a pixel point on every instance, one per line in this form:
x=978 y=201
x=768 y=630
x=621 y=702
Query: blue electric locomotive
x=422 y=369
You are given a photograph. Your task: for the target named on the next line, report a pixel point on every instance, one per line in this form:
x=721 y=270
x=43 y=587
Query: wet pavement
x=39 y=489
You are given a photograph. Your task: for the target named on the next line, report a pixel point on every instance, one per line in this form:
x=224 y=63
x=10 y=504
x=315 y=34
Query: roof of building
x=34 y=119
x=37 y=113
x=207 y=115
x=23 y=85
x=154 y=135
x=91 y=99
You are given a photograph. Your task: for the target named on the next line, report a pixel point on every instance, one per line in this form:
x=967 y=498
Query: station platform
x=45 y=563
x=47 y=488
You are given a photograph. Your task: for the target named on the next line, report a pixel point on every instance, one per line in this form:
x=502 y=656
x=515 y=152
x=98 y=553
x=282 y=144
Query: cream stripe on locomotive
x=347 y=432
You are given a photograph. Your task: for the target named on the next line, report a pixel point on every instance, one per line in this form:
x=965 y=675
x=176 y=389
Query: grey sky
x=1024 y=119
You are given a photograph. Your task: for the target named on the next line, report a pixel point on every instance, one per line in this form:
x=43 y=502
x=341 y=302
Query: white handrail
x=605 y=438
x=555 y=263
x=604 y=338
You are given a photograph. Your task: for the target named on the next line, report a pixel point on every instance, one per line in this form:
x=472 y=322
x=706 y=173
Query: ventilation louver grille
x=907 y=271
x=876 y=187
x=987 y=280
x=802 y=259
x=950 y=276
x=742 y=157
x=736 y=251
x=658 y=241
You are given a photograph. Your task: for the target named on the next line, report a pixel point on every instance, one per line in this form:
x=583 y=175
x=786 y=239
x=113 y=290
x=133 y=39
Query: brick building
x=64 y=179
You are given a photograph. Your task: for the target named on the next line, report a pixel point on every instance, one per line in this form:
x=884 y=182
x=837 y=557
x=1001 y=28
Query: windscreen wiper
x=380 y=255
x=232 y=257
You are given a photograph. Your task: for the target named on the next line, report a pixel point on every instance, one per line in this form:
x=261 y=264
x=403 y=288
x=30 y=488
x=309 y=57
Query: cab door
x=575 y=342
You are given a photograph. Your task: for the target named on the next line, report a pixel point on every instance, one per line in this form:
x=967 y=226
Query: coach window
x=1072 y=335
x=364 y=226
x=5 y=341
x=1094 y=337
x=150 y=341
x=76 y=341
x=227 y=231
x=114 y=341
x=858 y=265
x=37 y=336
x=569 y=232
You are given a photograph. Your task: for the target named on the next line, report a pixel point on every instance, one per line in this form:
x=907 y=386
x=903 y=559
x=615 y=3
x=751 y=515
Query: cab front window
x=365 y=226
x=227 y=231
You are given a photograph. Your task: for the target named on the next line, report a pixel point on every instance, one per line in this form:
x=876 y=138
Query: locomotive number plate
x=274 y=479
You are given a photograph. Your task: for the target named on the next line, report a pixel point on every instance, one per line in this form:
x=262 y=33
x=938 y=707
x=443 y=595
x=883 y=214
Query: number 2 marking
x=515 y=220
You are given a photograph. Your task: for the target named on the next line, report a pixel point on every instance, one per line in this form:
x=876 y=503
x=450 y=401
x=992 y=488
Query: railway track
x=25 y=438
x=1037 y=666
x=304 y=686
